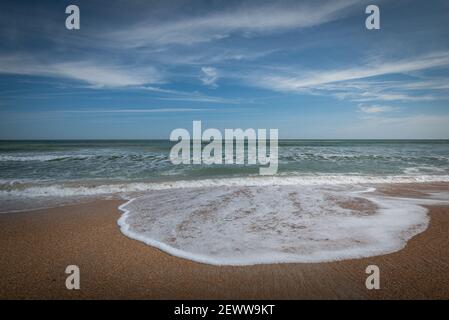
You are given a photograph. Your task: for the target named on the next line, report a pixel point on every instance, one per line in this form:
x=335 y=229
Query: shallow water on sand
x=275 y=224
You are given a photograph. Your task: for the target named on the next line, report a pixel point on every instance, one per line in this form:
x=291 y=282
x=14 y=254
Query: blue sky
x=139 y=69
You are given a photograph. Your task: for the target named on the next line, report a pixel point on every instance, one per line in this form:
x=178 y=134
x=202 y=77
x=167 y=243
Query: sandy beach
x=37 y=246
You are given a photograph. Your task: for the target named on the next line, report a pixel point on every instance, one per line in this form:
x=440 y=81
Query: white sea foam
x=247 y=225
x=41 y=158
x=424 y=169
x=64 y=190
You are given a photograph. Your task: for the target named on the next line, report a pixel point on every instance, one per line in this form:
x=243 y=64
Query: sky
x=140 y=69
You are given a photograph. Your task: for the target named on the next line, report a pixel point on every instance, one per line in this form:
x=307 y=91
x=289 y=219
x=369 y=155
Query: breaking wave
x=22 y=189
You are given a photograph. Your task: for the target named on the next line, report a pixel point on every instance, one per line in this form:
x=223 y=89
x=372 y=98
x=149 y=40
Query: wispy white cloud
x=375 y=109
x=376 y=94
x=317 y=78
x=194 y=96
x=356 y=83
x=205 y=99
x=160 y=110
x=111 y=77
x=93 y=73
x=106 y=76
x=425 y=84
x=246 y=20
x=209 y=76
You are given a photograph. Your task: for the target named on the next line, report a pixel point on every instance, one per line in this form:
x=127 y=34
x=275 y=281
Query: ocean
x=228 y=214
x=48 y=162
x=33 y=173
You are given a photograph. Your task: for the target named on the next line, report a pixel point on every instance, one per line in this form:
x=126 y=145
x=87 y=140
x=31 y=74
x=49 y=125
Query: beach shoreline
x=37 y=246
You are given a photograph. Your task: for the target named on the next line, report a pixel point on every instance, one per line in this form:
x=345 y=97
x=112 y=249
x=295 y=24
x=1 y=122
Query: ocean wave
x=289 y=156
x=41 y=158
x=424 y=169
x=18 y=189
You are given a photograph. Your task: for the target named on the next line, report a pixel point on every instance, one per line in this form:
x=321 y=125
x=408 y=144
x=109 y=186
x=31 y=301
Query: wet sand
x=37 y=246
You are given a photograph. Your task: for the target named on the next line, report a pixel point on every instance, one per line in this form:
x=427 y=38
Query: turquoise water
x=149 y=160
x=35 y=173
